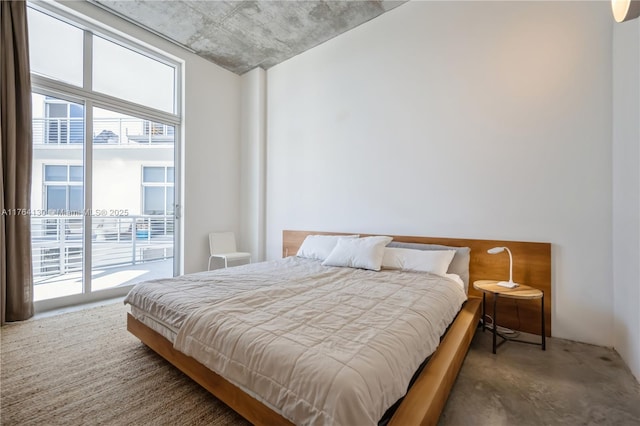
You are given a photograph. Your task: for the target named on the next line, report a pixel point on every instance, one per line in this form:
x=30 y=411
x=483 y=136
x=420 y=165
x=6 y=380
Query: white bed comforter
x=324 y=345
x=170 y=300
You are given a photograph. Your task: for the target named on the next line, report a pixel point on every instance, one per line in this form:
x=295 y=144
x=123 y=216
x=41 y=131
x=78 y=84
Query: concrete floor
x=568 y=384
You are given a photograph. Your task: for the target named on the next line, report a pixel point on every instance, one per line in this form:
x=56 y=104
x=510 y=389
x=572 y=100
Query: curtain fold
x=16 y=277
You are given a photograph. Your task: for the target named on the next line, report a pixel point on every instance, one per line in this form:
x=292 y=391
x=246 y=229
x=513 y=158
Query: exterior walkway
x=103 y=278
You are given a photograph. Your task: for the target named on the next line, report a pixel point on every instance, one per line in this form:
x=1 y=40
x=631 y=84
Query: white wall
x=252 y=163
x=211 y=158
x=626 y=192
x=211 y=153
x=117 y=183
x=461 y=119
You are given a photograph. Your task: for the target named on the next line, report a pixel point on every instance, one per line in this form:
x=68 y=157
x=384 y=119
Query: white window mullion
x=87 y=76
x=164 y=201
x=67 y=193
x=105 y=101
x=88 y=163
x=88 y=195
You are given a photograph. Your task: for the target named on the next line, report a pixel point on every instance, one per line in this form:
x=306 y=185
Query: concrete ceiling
x=242 y=35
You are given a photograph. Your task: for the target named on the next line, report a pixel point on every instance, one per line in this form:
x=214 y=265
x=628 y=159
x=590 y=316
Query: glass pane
x=121 y=72
x=76 y=111
x=75 y=198
x=128 y=245
x=57 y=110
x=76 y=123
x=153 y=200
x=75 y=173
x=112 y=128
x=64 y=131
x=52 y=130
x=170 y=175
x=76 y=130
x=153 y=174
x=169 y=200
x=55 y=48
x=51 y=123
x=56 y=198
x=55 y=173
x=56 y=238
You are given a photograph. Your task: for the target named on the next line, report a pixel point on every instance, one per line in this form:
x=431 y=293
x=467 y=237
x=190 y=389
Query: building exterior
x=132 y=174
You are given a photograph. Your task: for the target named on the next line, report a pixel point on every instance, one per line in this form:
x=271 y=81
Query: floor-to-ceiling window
x=105 y=135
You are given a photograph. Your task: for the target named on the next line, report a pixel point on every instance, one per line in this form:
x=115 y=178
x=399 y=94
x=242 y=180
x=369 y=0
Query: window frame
x=68 y=120
x=66 y=184
x=165 y=184
x=102 y=100
x=91 y=99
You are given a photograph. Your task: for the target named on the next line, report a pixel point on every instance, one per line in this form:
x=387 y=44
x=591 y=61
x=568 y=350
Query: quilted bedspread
x=171 y=300
x=330 y=346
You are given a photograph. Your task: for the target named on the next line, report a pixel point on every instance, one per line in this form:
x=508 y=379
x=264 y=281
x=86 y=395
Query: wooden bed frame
x=425 y=400
x=531 y=266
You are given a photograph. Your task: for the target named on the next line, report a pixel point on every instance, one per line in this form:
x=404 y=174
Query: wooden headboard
x=531 y=266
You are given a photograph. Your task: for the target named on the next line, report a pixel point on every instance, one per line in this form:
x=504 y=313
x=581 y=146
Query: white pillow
x=434 y=261
x=319 y=246
x=457 y=279
x=364 y=253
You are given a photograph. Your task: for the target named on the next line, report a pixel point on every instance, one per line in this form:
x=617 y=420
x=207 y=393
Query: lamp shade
x=510 y=283
x=624 y=10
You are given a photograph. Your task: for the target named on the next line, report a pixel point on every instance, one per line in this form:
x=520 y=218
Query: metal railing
x=112 y=131
x=56 y=242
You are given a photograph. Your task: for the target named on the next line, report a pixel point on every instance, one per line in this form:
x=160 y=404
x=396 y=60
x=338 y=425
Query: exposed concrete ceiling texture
x=242 y=35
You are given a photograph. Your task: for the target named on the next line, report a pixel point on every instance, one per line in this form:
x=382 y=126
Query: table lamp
x=510 y=283
x=625 y=10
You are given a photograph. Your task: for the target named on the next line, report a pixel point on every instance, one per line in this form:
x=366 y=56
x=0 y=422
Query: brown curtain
x=16 y=278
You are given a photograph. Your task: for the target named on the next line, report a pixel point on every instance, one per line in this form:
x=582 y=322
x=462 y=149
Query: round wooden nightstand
x=520 y=292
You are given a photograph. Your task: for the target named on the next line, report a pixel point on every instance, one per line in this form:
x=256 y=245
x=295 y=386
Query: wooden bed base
x=248 y=407
x=421 y=406
x=425 y=400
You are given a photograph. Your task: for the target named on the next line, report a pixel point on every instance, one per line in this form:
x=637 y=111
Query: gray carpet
x=84 y=368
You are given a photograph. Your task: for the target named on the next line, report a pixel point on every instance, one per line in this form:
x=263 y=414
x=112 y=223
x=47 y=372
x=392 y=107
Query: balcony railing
x=115 y=241
x=112 y=131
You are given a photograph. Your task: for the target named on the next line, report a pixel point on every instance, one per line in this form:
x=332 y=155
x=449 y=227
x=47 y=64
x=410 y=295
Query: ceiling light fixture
x=624 y=10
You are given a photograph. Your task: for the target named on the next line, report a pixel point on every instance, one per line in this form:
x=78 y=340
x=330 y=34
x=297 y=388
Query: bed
x=266 y=376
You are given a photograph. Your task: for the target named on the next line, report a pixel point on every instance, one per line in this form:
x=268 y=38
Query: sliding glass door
x=133 y=185
x=105 y=138
x=57 y=197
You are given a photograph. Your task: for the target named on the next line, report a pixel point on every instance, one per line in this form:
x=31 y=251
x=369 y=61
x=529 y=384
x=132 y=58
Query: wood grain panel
x=428 y=395
x=531 y=266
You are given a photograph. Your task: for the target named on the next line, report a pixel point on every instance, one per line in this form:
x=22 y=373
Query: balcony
x=124 y=250
x=108 y=131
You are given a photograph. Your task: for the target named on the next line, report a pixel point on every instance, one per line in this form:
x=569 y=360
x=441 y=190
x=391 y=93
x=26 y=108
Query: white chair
x=223 y=245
